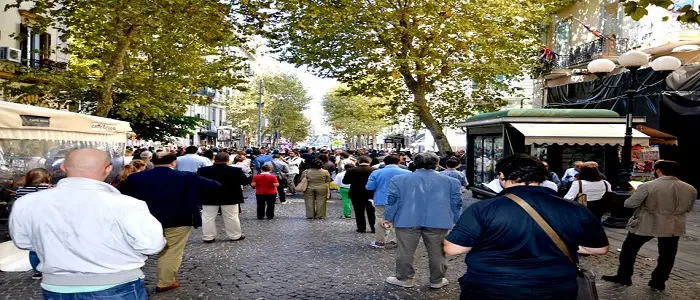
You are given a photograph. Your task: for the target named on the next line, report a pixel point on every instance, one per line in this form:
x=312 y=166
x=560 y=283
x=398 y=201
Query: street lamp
x=632 y=61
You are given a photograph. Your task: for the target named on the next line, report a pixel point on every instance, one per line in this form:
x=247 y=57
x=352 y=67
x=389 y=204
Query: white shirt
x=294 y=163
x=569 y=175
x=243 y=166
x=495 y=185
x=339 y=180
x=128 y=159
x=594 y=190
x=82 y=228
x=192 y=163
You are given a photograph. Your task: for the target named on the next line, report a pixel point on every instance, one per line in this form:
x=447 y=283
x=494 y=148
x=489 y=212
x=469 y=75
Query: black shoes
x=617 y=279
x=657 y=286
x=209 y=241
x=239 y=239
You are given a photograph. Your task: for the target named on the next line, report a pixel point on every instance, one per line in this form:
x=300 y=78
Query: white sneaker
x=377 y=245
x=442 y=283
x=408 y=283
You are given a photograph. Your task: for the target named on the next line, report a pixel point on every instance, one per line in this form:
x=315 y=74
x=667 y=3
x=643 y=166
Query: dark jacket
x=172 y=196
x=231 y=180
x=357 y=179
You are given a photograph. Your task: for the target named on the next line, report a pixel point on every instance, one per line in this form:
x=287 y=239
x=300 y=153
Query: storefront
x=558 y=136
x=37 y=137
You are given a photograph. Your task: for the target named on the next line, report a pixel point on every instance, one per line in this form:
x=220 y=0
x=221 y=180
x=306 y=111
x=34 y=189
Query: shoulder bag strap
x=543 y=224
x=580 y=187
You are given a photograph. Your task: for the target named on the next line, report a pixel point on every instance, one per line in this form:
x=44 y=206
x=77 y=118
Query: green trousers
x=347 y=205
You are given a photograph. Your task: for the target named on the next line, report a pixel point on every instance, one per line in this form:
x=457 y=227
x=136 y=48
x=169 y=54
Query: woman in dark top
x=328 y=165
x=35 y=180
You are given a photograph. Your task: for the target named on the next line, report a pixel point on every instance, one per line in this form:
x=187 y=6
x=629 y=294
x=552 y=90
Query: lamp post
x=260 y=120
x=632 y=61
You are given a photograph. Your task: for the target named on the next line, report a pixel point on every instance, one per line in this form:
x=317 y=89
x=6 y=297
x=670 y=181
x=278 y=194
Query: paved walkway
x=291 y=257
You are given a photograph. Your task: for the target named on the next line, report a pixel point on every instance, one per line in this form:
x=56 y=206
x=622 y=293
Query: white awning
x=581 y=134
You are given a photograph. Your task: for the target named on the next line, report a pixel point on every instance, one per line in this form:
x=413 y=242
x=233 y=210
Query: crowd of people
x=160 y=196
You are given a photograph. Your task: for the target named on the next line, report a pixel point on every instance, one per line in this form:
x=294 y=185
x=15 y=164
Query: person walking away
x=191 y=162
x=422 y=204
x=265 y=185
x=344 y=161
x=453 y=165
x=315 y=196
x=294 y=162
x=379 y=183
x=261 y=158
x=344 y=190
x=552 y=176
x=172 y=197
x=509 y=256
x=593 y=186
x=116 y=233
x=227 y=198
x=35 y=180
x=662 y=206
x=147 y=157
x=134 y=166
x=280 y=169
x=240 y=162
x=357 y=178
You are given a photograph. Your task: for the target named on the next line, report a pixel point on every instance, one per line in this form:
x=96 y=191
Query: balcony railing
x=50 y=65
x=584 y=53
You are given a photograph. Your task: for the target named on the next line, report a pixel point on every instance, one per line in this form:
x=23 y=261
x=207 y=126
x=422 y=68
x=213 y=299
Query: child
x=265 y=185
x=35 y=180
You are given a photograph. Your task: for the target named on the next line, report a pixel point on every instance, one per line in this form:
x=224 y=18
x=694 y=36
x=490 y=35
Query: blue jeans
x=135 y=290
x=34 y=260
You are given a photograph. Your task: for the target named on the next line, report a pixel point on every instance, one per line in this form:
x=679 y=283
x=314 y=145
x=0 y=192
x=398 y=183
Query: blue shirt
x=456 y=175
x=509 y=248
x=423 y=199
x=260 y=160
x=379 y=182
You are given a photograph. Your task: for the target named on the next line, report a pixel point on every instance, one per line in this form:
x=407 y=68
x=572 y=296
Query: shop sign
x=103 y=127
x=35 y=121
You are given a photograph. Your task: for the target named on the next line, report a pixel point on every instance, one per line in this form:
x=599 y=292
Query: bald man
x=91 y=239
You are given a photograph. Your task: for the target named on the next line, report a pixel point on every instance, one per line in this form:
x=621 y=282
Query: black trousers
x=597 y=208
x=266 y=206
x=361 y=206
x=668 y=246
x=281 y=191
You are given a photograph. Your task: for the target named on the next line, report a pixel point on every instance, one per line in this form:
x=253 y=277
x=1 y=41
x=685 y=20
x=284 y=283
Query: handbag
x=581 y=197
x=608 y=197
x=585 y=279
x=303 y=184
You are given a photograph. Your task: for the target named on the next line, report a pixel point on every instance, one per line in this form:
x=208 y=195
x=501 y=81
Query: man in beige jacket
x=661 y=209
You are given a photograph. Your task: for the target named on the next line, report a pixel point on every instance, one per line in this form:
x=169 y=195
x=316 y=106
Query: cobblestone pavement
x=291 y=257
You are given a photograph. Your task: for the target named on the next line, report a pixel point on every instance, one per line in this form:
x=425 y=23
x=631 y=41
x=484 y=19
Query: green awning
x=546 y=113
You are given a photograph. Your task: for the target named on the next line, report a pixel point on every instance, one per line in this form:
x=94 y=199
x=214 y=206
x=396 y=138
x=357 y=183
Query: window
x=35 y=46
x=562 y=36
x=487 y=151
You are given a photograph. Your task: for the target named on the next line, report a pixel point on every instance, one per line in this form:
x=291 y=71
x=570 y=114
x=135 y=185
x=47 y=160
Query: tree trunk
x=420 y=106
x=116 y=66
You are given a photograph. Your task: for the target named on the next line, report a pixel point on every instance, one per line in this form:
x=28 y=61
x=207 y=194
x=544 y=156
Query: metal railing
x=51 y=65
x=584 y=53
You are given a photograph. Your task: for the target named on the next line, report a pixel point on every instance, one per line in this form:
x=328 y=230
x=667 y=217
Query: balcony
x=46 y=64
x=582 y=54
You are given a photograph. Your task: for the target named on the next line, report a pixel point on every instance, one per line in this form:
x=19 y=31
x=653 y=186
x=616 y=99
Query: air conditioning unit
x=10 y=54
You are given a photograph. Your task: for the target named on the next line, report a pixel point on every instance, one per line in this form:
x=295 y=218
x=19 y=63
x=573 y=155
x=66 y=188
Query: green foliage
x=428 y=46
x=284 y=99
x=166 y=129
x=355 y=115
x=638 y=9
x=151 y=54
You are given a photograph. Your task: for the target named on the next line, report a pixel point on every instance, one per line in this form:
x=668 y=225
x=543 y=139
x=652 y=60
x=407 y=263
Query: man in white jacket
x=91 y=239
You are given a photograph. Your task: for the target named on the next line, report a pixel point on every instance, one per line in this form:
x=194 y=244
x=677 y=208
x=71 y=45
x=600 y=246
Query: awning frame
x=577 y=134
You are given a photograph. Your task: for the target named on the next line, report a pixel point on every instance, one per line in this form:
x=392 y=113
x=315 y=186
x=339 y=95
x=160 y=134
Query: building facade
x=588 y=30
x=22 y=44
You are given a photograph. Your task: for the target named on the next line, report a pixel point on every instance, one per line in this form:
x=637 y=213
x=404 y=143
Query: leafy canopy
x=638 y=9
x=355 y=115
x=137 y=59
x=434 y=49
x=285 y=100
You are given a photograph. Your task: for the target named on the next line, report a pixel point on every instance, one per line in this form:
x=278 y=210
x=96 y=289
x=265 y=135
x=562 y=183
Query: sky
x=315 y=86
